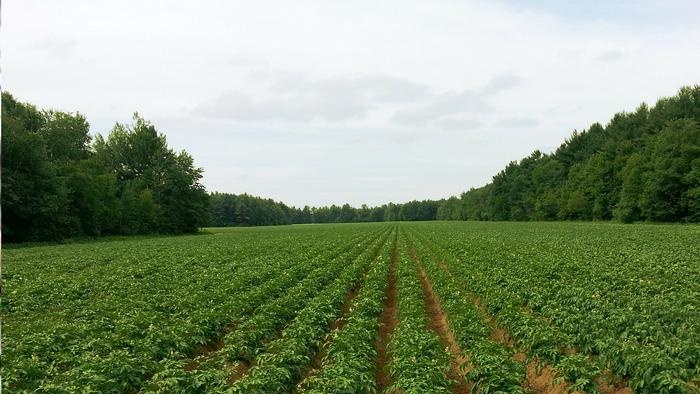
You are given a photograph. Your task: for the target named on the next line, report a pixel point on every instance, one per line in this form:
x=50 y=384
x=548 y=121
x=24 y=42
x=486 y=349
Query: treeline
x=245 y=210
x=59 y=182
x=641 y=166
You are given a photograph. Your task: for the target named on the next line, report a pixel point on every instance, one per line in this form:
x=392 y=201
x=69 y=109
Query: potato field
x=412 y=307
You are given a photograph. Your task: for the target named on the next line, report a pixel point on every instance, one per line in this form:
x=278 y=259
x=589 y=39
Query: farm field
x=411 y=307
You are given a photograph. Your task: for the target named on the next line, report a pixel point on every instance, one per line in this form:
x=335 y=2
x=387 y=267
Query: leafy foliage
x=251 y=310
x=58 y=183
x=107 y=315
x=245 y=210
x=641 y=166
x=419 y=363
x=623 y=297
x=348 y=364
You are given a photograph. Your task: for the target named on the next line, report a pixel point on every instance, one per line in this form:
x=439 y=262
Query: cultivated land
x=431 y=307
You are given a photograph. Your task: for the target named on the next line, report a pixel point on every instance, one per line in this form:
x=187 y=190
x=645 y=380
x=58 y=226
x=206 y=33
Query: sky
x=327 y=102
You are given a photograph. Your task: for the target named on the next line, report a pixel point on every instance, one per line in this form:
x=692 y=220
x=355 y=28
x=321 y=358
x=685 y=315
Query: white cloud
x=55 y=47
x=295 y=97
x=610 y=55
x=469 y=101
x=518 y=121
x=240 y=60
x=459 y=123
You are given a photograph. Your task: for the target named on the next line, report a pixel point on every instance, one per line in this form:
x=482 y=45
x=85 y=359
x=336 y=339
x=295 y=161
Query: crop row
x=491 y=367
x=348 y=365
x=390 y=308
x=583 y=307
x=212 y=370
x=110 y=323
x=418 y=362
x=282 y=362
x=540 y=341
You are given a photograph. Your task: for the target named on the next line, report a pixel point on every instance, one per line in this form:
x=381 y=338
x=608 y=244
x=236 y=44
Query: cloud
x=518 y=121
x=469 y=101
x=55 y=47
x=610 y=55
x=442 y=105
x=243 y=61
x=294 y=97
x=234 y=105
x=499 y=84
x=334 y=79
x=458 y=123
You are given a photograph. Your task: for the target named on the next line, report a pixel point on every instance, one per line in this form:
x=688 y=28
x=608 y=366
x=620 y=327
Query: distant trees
x=58 y=183
x=245 y=210
x=641 y=166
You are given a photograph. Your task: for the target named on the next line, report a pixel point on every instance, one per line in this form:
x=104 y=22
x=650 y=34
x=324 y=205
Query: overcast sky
x=320 y=102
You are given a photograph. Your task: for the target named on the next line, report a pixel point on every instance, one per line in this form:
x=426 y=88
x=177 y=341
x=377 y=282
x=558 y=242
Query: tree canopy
x=641 y=166
x=58 y=182
x=246 y=210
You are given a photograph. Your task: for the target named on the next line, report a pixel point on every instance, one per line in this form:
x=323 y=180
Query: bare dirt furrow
x=540 y=376
x=238 y=370
x=336 y=324
x=387 y=323
x=206 y=349
x=617 y=387
x=440 y=325
x=341 y=321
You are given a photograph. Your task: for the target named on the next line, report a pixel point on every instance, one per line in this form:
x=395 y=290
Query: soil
x=540 y=377
x=340 y=322
x=619 y=387
x=238 y=369
x=439 y=324
x=203 y=351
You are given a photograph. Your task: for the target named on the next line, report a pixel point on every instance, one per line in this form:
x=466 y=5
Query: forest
x=58 y=181
x=245 y=210
x=641 y=166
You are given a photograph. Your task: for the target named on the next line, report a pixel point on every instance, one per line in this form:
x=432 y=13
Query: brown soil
x=340 y=322
x=500 y=335
x=238 y=370
x=336 y=324
x=438 y=323
x=540 y=377
x=540 y=380
x=202 y=351
x=387 y=322
x=606 y=386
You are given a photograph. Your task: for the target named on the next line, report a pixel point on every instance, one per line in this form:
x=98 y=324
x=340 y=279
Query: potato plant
x=419 y=363
x=348 y=363
x=299 y=309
